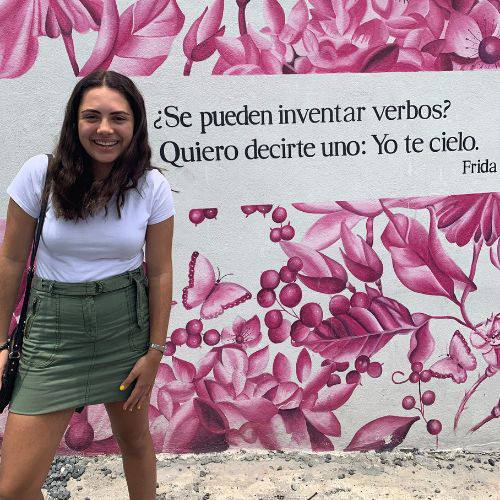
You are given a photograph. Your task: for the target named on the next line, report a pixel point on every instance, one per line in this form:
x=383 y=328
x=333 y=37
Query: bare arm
x=159 y=271
x=14 y=253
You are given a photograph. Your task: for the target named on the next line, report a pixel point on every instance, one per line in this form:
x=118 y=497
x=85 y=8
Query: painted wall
x=300 y=321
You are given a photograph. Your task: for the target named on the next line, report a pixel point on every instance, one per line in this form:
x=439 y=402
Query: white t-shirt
x=101 y=246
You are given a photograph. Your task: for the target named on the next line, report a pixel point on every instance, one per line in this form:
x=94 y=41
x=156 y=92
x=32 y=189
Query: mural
x=317 y=36
x=274 y=361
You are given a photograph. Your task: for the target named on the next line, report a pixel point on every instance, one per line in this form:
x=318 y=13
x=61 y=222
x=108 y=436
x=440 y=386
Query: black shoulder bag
x=16 y=339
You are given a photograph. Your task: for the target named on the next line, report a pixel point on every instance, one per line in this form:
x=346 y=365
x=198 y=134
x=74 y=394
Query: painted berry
x=341 y=366
x=264 y=209
x=269 y=279
x=211 y=337
x=408 y=402
x=266 y=297
x=425 y=375
x=179 y=336
x=290 y=295
x=286 y=275
x=428 y=397
x=295 y=264
x=360 y=299
x=362 y=363
x=333 y=380
x=248 y=209
x=194 y=327
x=194 y=340
x=210 y=213
x=299 y=331
x=287 y=232
x=170 y=348
x=277 y=335
x=374 y=369
x=275 y=234
x=339 y=304
x=79 y=436
x=353 y=377
x=414 y=377
x=417 y=366
x=279 y=215
x=311 y=314
x=196 y=216
x=434 y=427
x=273 y=318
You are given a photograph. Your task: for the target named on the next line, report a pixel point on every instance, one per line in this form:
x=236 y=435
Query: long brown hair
x=75 y=192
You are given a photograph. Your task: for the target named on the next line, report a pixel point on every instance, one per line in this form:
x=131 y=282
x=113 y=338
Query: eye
x=89 y=117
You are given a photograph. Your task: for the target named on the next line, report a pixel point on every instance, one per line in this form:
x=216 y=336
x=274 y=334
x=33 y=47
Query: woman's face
x=105 y=125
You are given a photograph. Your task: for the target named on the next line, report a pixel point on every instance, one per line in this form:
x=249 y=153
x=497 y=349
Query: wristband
x=158 y=347
x=5 y=345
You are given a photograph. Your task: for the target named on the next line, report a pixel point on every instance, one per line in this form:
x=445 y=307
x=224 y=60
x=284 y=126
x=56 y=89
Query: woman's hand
x=4 y=357
x=144 y=373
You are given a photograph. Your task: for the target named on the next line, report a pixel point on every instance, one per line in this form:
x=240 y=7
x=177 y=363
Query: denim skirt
x=80 y=342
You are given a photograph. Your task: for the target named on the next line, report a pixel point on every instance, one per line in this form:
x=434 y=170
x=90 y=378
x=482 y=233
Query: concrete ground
x=403 y=474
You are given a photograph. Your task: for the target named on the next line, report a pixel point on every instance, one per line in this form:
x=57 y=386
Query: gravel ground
x=400 y=475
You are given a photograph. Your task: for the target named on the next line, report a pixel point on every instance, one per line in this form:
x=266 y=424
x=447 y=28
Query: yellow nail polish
x=122 y=388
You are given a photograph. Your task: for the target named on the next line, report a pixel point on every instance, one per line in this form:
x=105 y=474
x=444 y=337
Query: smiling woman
x=96 y=319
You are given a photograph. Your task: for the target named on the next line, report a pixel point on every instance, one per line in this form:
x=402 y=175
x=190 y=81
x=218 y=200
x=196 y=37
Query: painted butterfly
x=214 y=295
x=459 y=361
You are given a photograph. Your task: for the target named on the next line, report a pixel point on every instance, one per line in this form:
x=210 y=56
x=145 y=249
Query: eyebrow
x=97 y=111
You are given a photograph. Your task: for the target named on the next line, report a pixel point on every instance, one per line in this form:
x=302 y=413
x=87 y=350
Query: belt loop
x=99 y=287
x=51 y=287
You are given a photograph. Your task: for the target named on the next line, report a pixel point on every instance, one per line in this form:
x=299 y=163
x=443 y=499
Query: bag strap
x=17 y=343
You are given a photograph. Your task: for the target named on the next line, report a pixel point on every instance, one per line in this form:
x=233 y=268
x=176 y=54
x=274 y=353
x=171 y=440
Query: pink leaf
x=325 y=422
x=18 y=43
x=381 y=434
x=361 y=331
x=256 y=409
x=318 y=381
x=210 y=417
x=319 y=442
x=317 y=208
x=206 y=364
x=495 y=255
x=359 y=257
x=326 y=230
x=282 y=368
x=336 y=397
x=274 y=15
x=421 y=344
x=183 y=370
x=257 y=362
x=106 y=39
x=303 y=365
x=381 y=59
x=419 y=260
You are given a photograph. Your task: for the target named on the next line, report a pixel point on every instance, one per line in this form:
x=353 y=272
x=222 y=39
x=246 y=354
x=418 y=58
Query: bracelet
x=158 y=347
x=5 y=345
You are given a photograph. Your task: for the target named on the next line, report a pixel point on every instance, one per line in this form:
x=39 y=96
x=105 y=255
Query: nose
x=104 y=127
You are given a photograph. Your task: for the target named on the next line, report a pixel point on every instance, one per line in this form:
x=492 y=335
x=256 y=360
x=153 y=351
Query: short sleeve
x=26 y=188
x=162 y=206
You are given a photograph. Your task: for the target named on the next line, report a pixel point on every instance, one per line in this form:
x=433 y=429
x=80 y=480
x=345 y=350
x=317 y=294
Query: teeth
x=104 y=143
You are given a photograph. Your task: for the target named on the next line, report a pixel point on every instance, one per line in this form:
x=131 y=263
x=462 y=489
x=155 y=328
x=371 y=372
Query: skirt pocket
x=42 y=333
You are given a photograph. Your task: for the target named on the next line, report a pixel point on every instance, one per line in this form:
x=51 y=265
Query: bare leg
x=29 y=445
x=131 y=431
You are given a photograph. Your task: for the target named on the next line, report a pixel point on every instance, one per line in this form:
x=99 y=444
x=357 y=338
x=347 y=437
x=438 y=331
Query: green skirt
x=81 y=340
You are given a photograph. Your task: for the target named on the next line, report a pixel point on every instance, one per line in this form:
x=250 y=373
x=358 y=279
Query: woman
x=94 y=332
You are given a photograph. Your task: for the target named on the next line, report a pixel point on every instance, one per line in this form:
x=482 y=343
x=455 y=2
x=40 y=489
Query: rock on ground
x=403 y=474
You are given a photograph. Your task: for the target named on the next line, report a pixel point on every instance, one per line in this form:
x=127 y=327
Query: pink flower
x=199 y=42
x=475 y=37
x=465 y=216
x=245 y=333
x=486 y=338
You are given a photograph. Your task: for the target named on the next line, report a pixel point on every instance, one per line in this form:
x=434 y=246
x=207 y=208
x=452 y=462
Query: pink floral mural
x=313 y=36
x=243 y=393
